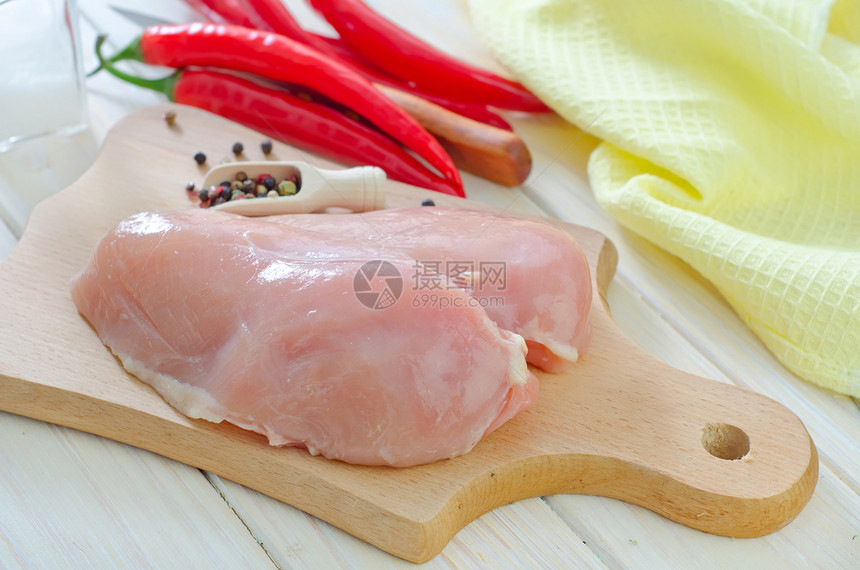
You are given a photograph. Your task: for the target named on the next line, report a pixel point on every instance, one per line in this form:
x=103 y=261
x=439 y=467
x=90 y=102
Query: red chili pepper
x=229 y=12
x=307 y=125
x=279 y=58
x=293 y=120
x=275 y=16
x=403 y=55
x=474 y=111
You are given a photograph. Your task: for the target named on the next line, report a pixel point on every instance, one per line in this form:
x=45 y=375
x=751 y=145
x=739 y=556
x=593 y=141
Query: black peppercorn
x=200 y=158
x=428 y=202
x=238 y=148
x=266 y=145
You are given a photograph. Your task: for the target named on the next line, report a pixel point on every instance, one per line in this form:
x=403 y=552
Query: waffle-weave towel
x=731 y=138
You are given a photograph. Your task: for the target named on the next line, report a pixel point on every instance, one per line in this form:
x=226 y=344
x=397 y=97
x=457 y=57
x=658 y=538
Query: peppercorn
x=241 y=176
x=261 y=190
x=428 y=202
x=286 y=188
x=266 y=145
x=249 y=187
x=203 y=194
x=225 y=193
x=272 y=194
x=189 y=187
x=295 y=176
x=236 y=186
x=169 y=117
x=270 y=182
x=200 y=158
x=238 y=148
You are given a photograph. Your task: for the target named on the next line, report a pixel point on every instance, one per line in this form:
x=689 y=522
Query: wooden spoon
x=359 y=189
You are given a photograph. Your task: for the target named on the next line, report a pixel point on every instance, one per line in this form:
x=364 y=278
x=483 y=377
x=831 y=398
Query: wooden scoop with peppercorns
x=270 y=188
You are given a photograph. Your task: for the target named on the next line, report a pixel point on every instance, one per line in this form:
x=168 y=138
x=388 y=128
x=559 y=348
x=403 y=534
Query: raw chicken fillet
x=531 y=277
x=259 y=323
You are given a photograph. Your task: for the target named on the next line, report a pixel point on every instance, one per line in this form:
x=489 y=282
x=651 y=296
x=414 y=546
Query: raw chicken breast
x=532 y=278
x=259 y=323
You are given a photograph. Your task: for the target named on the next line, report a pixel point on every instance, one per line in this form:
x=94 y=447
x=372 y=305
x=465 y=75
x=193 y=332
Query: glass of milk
x=42 y=88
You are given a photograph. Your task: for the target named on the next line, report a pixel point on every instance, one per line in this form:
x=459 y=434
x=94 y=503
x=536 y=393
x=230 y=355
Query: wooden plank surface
x=58 y=502
x=662 y=305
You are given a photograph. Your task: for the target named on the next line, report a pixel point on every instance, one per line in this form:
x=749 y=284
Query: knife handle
x=492 y=153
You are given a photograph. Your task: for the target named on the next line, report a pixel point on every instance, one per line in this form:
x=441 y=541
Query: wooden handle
x=498 y=155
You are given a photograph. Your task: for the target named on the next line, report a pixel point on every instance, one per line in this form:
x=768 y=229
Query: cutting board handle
x=713 y=456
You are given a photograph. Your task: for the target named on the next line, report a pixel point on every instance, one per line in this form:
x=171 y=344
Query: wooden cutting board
x=619 y=424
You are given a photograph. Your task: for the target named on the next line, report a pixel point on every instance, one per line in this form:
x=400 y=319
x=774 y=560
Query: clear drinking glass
x=42 y=88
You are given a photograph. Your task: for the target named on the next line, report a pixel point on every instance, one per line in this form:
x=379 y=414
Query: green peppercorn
x=266 y=145
x=286 y=188
x=294 y=176
x=238 y=148
x=261 y=190
x=200 y=158
x=236 y=186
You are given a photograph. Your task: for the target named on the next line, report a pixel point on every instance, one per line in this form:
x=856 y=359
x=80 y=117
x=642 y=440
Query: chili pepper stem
x=100 y=40
x=163 y=85
x=131 y=51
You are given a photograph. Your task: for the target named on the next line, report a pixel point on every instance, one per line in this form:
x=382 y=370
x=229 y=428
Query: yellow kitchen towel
x=731 y=138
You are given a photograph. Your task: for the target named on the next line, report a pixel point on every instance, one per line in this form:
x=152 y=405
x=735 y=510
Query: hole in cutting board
x=725 y=441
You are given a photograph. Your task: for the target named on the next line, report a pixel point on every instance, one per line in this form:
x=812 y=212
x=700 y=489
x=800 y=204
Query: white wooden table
x=72 y=500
